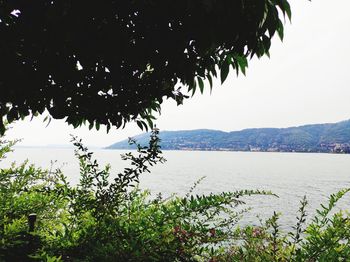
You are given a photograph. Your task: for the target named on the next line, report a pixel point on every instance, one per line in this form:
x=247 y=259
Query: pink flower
x=212 y=232
x=257 y=232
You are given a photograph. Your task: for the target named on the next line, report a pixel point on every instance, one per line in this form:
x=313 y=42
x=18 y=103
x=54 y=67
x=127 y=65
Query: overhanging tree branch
x=111 y=62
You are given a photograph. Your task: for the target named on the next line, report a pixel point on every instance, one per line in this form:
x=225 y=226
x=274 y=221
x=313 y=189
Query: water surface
x=289 y=175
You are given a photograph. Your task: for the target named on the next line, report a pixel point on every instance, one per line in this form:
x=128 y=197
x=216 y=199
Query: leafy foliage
x=123 y=57
x=326 y=238
x=25 y=189
x=106 y=218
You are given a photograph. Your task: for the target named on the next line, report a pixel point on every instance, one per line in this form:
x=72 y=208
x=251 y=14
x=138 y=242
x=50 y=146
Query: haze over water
x=289 y=175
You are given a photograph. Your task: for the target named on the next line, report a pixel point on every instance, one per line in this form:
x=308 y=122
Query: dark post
x=31 y=221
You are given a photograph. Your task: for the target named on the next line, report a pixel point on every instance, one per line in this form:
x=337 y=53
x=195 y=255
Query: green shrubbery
x=107 y=218
x=325 y=238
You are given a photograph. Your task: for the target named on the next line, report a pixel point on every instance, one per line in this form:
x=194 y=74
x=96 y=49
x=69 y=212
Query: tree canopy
x=110 y=62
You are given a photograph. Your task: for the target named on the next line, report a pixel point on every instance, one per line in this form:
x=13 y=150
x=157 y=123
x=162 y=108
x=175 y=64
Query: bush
x=99 y=220
x=105 y=219
x=325 y=238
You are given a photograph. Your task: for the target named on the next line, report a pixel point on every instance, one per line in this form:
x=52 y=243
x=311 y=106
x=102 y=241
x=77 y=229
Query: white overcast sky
x=305 y=81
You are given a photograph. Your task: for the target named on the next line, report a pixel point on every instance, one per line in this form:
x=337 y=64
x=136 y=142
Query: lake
x=289 y=175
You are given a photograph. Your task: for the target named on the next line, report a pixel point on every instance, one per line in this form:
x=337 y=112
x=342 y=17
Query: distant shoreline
x=238 y=151
x=185 y=150
x=317 y=138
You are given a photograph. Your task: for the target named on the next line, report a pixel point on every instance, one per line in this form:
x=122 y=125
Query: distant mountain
x=308 y=138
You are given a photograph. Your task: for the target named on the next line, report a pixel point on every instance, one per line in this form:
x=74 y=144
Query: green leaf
x=193 y=87
x=287 y=9
x=48 y=119
x=280 y=30
x=210 y=79
x=242 y=62
x=2 y=127
x=145 y=125
x=91 y=125
x=45 y=119
x=235 y=66
x=11 y=117
x=149 y=121
x=213 y=71
x=266 y=42
x=139 y=123
x=201 y=84
x=225 y=69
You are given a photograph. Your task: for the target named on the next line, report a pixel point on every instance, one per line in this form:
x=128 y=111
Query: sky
x=305 y=81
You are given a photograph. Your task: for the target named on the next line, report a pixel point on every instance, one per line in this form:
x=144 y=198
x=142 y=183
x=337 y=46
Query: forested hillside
x=308 y=138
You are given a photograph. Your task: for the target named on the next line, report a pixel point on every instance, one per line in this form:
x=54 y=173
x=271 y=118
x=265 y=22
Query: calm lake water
x=289 y=175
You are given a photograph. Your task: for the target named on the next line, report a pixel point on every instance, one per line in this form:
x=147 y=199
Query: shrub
x=325 y=238
x=99 y=220
x=105 y=218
